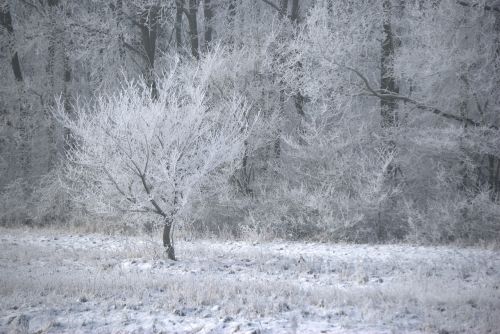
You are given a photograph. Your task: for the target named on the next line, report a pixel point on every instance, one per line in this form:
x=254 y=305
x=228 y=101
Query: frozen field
x=55 y=282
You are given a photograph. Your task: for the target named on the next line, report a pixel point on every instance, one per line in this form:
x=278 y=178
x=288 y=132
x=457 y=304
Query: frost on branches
x=135 y=153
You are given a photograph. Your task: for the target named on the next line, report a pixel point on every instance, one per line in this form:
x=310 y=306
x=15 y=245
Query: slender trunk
x=277 y=143
x=493 y=175
x=496 y=191
x=496 y=179
x=67 y=100
x=231 y=22
x=67 y=77
x=387 y=81
x=464 y=114
x=191 y=14
x=246 y=173
x=298 y=97
x=149 y=26
x=121 y=39
x=295 y=11
x=208 y=13
x=178 y=23
x=167 y=239
x=54 y=42
x=24 y=111
x=388 y=108
x=283 y=8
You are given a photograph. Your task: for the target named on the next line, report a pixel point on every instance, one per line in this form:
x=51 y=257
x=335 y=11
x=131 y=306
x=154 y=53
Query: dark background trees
x=378 y=121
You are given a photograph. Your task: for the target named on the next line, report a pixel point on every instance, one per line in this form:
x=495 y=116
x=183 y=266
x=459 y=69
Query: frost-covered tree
x=141 y=154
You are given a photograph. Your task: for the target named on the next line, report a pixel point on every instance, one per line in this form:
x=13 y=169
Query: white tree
x=137 y=153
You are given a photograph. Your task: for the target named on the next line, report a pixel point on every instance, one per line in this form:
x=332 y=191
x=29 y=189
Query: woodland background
x=372 y=121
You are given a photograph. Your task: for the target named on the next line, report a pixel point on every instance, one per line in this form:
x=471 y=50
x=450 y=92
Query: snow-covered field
x=57 y=282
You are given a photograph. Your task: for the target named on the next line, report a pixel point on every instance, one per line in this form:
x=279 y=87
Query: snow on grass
x=57 y=282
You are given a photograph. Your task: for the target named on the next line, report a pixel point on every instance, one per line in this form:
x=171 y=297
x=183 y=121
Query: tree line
x=300 y=119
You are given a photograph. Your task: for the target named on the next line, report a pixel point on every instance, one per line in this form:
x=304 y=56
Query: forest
x=301 y=122
x=319 y=120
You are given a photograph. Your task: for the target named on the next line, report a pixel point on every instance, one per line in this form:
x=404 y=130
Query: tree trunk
x=388 y=110
x=24 y=112
x=298 y=98
x=6 y=22
x=55 y=40
x=388 y=107
x=208 y=13
x=67 y=73
x=119 y=19
x=387 y=79
x=231 y=22
x=68 y=141
x=149 y=26
x=295 y=11
x=283 y=8
x=167 y=239
x=178 y=23
x=191 y=14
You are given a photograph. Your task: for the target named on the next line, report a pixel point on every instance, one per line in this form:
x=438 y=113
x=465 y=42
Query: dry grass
x=59 y=282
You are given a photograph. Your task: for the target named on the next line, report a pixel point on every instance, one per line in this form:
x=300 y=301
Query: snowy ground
x=57 y=282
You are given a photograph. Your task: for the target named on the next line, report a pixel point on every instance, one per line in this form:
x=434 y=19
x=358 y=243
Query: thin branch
x=41 y=12
x=111 y=178
x=388 y=95
x=147 y=155
x=158 y=209
x=270 y=3
x=33 y=6
x=485 y=7
x=130 y=47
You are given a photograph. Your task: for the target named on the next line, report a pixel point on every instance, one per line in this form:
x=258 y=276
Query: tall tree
x=55 y=42
x=24 y=111
x=179 y=11
x=209 y=15
x=231 y=16
x=6 y=23
x=148 y=24
x=192 y=16
x=388 y=108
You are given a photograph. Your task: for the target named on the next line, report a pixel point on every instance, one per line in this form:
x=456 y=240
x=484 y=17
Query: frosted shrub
x=138 y=154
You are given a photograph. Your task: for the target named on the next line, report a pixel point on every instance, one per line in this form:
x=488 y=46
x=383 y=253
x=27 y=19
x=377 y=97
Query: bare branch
x=485 y=7
x=33 y=6
x=270 y=3
x=130 y=47
x=158 y=209
x=110 y=177
x=388 y=95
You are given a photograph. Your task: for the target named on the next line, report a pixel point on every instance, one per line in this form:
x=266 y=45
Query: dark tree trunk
x=6 y=22
x=54 y=42
x=167 y=239
x=149 y=26
x=178 y=23
x=67 y=73
x=68 y=142
x=208 y=13
x=387 y=79
x=283 y=8
x=388 y=111
x=295 y=11
x=191 y=14
x=119 y=19
x=298 y=98
x=388 y=107
x=230 y=19
x=24 y=111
